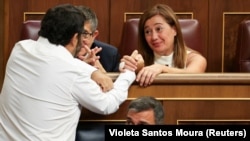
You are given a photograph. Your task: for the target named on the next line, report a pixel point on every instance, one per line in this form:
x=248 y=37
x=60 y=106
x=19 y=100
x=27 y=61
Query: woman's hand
x=147 y=74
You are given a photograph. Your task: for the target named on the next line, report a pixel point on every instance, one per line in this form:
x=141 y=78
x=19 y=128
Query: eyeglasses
x=86 y=34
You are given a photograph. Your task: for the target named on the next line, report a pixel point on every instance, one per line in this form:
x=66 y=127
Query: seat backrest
x=30 y=29
x=243 y=47
x=190 y=29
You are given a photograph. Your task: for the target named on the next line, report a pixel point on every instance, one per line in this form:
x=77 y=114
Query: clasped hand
x=145 y=75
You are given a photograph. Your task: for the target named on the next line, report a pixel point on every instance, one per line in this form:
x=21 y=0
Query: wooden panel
x=231 y=21
x=181 y=15
x=33 y=16
x=207 y=111
x=191 y=98
x=220 y=56
x=214 y=122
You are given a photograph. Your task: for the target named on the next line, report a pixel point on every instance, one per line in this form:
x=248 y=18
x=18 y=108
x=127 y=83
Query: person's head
x=90 y=26
x=160 y=33
x=63 y=25
x=145 y=110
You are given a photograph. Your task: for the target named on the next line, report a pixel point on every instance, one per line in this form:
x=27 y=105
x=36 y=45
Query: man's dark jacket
x=109 y=56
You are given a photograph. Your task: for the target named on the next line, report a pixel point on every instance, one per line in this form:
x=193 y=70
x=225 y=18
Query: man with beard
x=45 y=85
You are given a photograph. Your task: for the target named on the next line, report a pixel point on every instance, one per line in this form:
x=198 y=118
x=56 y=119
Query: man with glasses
x=107 y=56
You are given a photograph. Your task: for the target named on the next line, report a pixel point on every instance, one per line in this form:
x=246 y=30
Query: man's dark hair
x=61 y=23
x=146 y=103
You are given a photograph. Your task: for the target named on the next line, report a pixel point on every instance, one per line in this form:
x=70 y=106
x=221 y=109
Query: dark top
x=109 y=56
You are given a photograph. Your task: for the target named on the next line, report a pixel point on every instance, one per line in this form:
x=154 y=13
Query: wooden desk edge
x=201 y=78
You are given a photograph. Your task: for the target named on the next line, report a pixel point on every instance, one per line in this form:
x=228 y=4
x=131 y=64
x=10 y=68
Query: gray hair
x=148 y=102
x=90 y=16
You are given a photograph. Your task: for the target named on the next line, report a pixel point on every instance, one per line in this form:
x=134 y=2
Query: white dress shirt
x=44 y=89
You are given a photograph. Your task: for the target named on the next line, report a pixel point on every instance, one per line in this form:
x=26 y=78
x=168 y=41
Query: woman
x=162 y=47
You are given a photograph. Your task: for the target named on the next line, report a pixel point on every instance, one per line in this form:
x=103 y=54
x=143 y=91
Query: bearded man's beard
x=78 y=47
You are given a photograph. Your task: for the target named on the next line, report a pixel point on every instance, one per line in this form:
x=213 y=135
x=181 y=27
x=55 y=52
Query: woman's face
x=159 y=35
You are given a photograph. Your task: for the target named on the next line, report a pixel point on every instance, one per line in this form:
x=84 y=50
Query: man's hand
x=134 y=62
x=103 y=80
x=89 y=55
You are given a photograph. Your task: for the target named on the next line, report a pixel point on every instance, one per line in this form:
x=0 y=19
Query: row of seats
x=190 y=30
x=191 y=34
